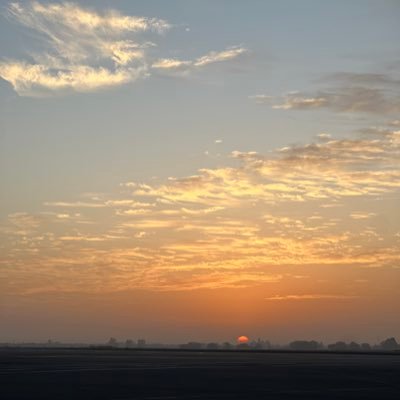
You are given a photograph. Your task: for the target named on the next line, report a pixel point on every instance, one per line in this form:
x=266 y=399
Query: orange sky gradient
x=177 y=172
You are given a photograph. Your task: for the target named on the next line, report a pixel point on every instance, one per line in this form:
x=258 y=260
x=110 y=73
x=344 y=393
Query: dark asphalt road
x=125 y=374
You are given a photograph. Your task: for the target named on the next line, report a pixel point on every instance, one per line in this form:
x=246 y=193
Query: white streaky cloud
x=137 y=211
x=362 y=215
x=170 y=63
x=127 y=203
x=124 y=52
x=84 y=50
x=311 y=297
x=63 y=216
x=173 y=64
x=76 y=18
x=74 y=34
x=218 y=56
x=35 y=80
x=76 y=204
x=301 y=102
x=81 y=239
x=324 y=136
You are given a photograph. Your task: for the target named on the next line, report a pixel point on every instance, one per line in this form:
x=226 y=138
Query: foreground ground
x=128 y=374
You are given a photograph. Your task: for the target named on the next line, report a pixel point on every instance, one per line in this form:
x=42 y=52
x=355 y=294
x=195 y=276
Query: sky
x=199 y=170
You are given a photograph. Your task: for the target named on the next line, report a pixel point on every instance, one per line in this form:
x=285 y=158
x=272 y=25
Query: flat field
x=151 y=374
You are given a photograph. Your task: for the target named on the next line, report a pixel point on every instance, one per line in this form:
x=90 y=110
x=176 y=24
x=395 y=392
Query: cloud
x=324 y=136
x=170 y=63
x=218 y=56
x=76 y=204
x=74 y=34
x=296 y=102
x=362 y=79
x=352 y=93
x=82 y=50
x=362 y=215
x=250 y=222
x=310 y=297
x=77 y=19
x=348 y=100
x=185 y=66
x=31 y=80
x=328 y=170
x=127 y=203
x=23 y=223
x=137 y=211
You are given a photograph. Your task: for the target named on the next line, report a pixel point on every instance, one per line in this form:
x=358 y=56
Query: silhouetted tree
x=112 y=342
x=192 y=345
x=266 y=344
x=260 y=344
x=338 y=346
x=365 y=346
x=304 y=345
x=354 y=346
x=390 y=344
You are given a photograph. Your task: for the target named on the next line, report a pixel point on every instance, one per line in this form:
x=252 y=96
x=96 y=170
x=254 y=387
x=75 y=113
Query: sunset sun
x=242 y=340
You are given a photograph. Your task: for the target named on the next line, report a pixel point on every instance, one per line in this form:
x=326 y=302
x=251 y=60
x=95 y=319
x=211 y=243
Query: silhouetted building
x=212 y=346
x=141 y=343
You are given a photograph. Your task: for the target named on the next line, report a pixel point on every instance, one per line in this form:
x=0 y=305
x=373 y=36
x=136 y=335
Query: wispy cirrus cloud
x=28 y=79
x=310 y=297
x=362 y=215
x=72 y=17
x=76 y=204
x=353 y=99
x=362 y=79
x=81 y=49
x=175 y=65
x=352 y=93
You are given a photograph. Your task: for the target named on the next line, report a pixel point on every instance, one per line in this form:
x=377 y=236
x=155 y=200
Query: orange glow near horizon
x=279 y=247
x=160 y=181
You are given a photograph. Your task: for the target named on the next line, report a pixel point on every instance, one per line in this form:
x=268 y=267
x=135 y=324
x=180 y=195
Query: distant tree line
x=389 y=344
